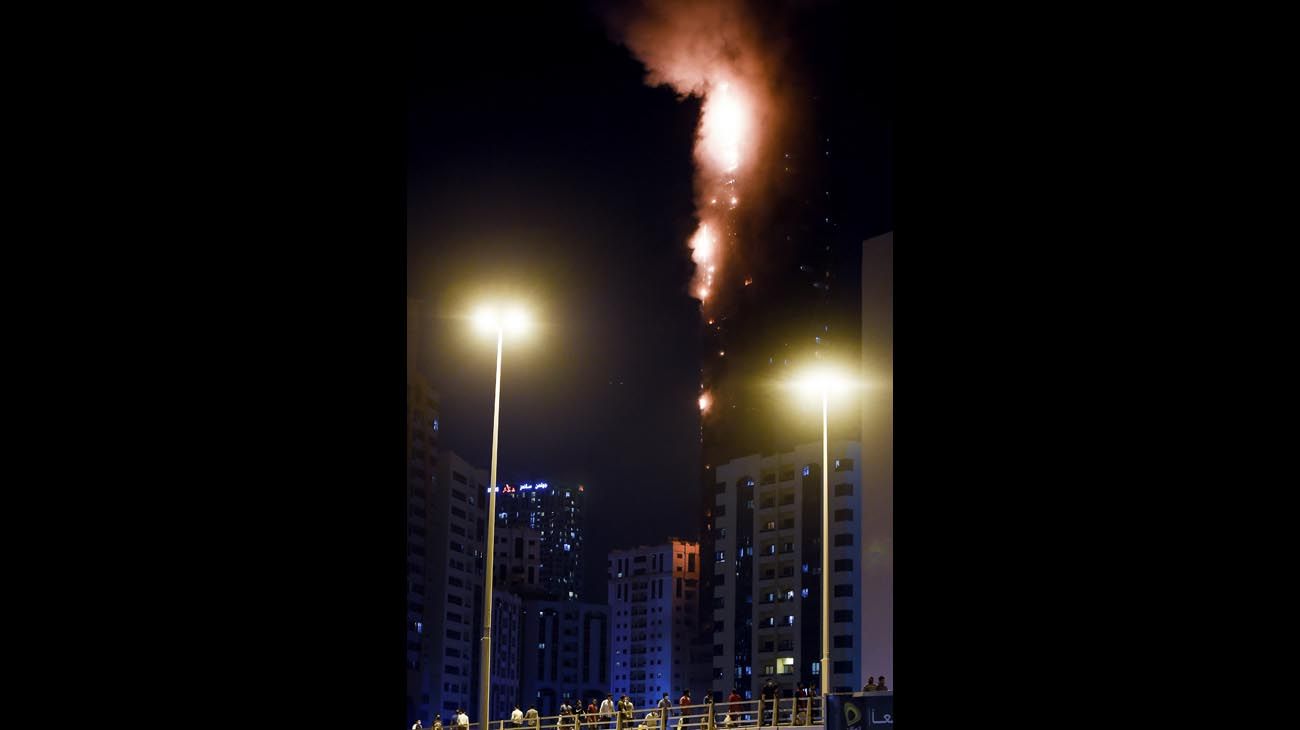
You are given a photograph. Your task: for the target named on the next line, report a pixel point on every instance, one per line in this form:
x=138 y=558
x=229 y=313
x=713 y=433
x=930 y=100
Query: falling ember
x=706 y=400
x=749 y=280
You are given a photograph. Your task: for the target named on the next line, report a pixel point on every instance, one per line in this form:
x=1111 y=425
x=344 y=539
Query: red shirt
x=733 y=699
x=684 y=701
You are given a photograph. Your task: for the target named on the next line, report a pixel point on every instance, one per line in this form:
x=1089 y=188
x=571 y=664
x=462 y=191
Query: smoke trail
x=714 y=50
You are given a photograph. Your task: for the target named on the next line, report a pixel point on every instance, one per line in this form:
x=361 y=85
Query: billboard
x=859 y=711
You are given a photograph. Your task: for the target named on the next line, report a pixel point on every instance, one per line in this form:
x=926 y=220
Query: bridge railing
x=781 y=712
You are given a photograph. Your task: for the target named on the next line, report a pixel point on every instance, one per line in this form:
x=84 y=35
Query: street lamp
x=493 y=320
x=823 y=382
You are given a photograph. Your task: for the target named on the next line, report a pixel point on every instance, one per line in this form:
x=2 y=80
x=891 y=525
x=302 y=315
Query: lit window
x=807 y=470
x=435 y=424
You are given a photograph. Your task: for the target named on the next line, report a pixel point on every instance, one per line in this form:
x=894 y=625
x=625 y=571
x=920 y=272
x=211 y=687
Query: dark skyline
x=544 y=167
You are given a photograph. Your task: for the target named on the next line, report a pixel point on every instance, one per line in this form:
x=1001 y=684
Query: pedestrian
x=665 y=705
x=767 y=703
x=627 y=710
x=870 y=686
x=880 y=684
x=517 y=717
x=607 y=711
x=462 y=720
x=591 y=712
x=437 y=722
x=531 y=716
x=418 y=725
x=683 y=702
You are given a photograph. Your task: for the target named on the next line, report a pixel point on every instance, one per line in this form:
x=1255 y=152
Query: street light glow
x=493 y=319
x=823 y=381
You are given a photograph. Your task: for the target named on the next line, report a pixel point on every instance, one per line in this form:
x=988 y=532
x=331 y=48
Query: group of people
x=459 y=720
x=577 y=717
x=872 y=686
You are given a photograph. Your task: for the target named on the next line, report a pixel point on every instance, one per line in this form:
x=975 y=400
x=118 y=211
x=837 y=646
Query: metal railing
x=781 y=712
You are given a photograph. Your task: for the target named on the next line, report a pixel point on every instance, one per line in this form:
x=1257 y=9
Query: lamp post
x=822 y=383
x=491 y=320
x=826 y=544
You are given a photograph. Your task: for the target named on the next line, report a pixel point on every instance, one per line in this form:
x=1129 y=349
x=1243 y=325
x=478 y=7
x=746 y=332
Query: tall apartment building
x=518 y=564
x=557 y=512
x=507 y=659
x=454 y=598
x=421 y=476
x=767 y=570
x=791 y=302
x=653 y=599
x=877 y=607
x=566 y=653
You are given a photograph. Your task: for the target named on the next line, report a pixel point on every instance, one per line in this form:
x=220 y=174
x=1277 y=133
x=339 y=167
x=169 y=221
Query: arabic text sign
x=860 y=712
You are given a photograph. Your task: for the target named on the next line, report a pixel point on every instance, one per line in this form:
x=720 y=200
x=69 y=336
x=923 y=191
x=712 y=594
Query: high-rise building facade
x=557 y=512
x=507 y=658
x=877 y=605
x=566 y=655
x=518 y=564
x=653 y=599
x=454 y=597
x=791 y=302
x=421 y=472
x=767 y=570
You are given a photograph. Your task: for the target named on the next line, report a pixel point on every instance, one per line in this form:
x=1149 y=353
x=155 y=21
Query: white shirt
x=417 y=726
x=606 y=707
x=517 y=715
x=462 y=719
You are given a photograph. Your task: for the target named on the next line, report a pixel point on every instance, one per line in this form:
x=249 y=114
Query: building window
x=843 y=490
x=843 y=642
x=720 y=556
x=720 y=579
x=843 y=565
x=843 y=539
x=843 y=515
x=843 y=616
x=720 y=487
x=843 y=590
x=843 y=465
x=721 y=510
x=807 y=470
x=845 y=667
x=785 y=665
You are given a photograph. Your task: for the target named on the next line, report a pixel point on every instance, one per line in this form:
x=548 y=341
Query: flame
x=725 y=126
x=706 y=401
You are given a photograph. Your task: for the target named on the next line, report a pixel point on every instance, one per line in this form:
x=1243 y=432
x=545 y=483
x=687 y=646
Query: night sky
x=542 y=168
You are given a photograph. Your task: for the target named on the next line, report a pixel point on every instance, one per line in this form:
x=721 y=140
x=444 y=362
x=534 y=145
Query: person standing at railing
x=517 y=717
x=665 y=705
x=606 y=712
x=870 y=686
x=533 y=720
x=627 y=710
x=462 y=720
x=767 y=699
x=437 y=722
x=880 y=686
x=684 y=702
x=591 y=713
x=418 y=725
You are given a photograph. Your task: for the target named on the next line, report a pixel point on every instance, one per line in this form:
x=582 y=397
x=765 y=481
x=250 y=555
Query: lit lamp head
x=823 y=382
x=492 y=320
